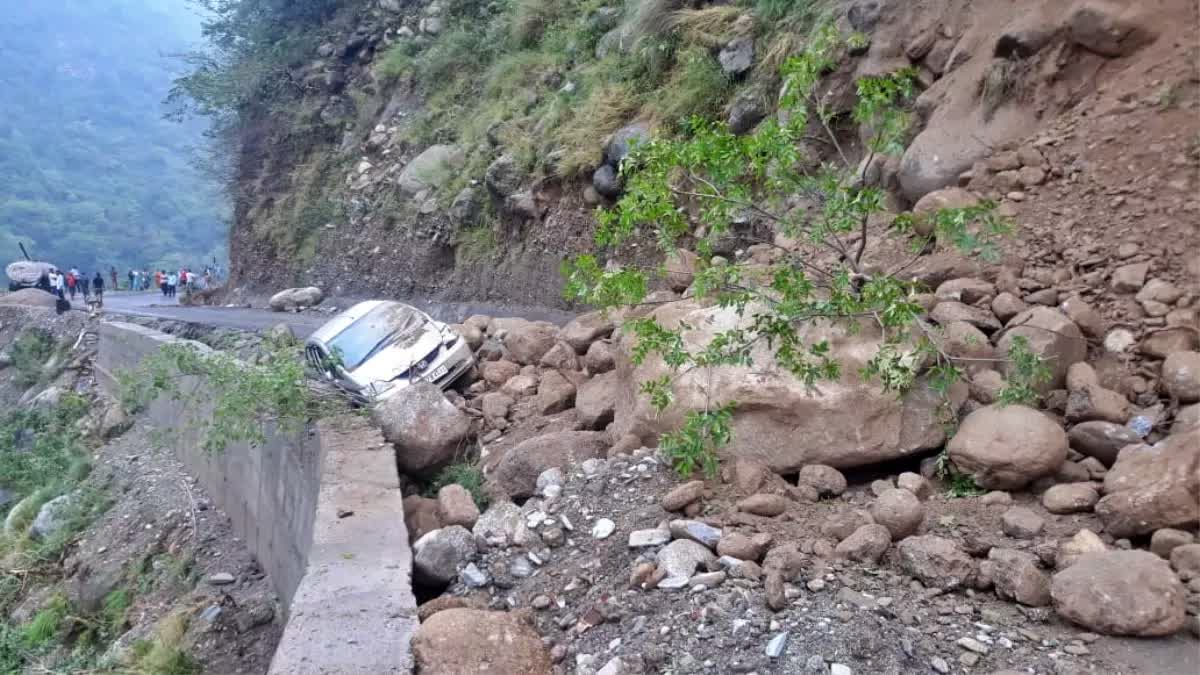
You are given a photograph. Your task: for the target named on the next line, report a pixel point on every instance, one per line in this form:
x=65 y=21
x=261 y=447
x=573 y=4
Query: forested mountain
x=91 y=174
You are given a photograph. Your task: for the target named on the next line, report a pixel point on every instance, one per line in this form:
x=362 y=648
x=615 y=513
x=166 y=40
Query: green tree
x=695 y=188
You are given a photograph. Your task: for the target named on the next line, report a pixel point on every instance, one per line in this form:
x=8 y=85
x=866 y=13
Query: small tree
x=722 y=179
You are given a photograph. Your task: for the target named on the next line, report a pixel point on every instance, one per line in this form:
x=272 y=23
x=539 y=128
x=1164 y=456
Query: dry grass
x=531 y=19
x=582 y=136
x=783 y=45
x=652 y=18
x=712 y=26
x=1005 y=81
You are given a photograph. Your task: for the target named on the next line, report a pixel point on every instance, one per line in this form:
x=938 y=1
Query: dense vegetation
x=90 y=173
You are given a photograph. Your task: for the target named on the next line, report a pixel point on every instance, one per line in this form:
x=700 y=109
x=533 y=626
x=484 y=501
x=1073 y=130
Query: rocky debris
x=1017 y=577
x=456 y=506
x=1108 y=28
x=296 y=298
x=766 y=505
x=852 y=423
x=462 y=640
x=421 y=515
x=501 y=525
x=935 y=561
x=503 y=177
x=682 y=496
x=867 y=544
x=737 y=57
x=555 y=393
x=1185 y=560
x=1088 y=401
x=430 y=170
x=1022 y=523
x=697 y=531
x=1007 y=447
x=1070 y=498
x=587 y=328
x=427 y=430
x=948 y=312
x=1121 y=593
x=497 y=373
x=596 y=401
x=828 y=481
x=1153 y=486
x=438 y=556
x=560 y=357
x=916 y=484
x=601 y=357
x=742 y=547
x=515 y=475
x=899 y=511
x=1181 y=376
x=677 y=561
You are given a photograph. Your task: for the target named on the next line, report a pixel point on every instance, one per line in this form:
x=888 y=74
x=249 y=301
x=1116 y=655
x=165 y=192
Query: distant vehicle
x=377 y=348
x=26 y=273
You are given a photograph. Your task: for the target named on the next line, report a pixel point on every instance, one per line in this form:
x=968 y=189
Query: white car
x=377 y=348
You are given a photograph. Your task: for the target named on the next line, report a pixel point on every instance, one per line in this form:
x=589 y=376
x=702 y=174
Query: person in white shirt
x=172 y=282
x=56 y=283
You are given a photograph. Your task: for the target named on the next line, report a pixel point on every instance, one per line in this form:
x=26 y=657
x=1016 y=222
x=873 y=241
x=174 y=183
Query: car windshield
x=381 y=327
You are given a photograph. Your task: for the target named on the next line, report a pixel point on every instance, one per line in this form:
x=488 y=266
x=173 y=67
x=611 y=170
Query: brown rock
x=1102 y=440
x=682 y=495
x=515 y=475
x=961 y=340
x=1159 y=290
x=1007 y=447
x=948 y=311
x=1006 y=305
x=966 y=290
x=839 y=526
x=421 y=515
x=828 y=481
x=867 y=544
x=456 y=506
x=986 y=385
x=1164 y=342
x=528 y=342
x=1181 y=376
x=1017 y=577
x=899 y=511
x=1087 y=401
x=1070 y=498
x=444 y=602
x=740 y=546
x=1151 y=487
x=555 y=393
x=560 y=357
x=1121 y=593
x=916 y=484
x=1052 y=336
x=1167 y=539
x=767 y=505
x=1130 y=278
x=597 y=401
x=427 y=430
x=585 y=329
x=473 y=641
x=1084 y=542
x=681 y=269
x=935 y=561
x=1021 y=523
x=601 y=357
x=1088 y=319
x=496 y=373
x=931 y=203
x=1185 y=560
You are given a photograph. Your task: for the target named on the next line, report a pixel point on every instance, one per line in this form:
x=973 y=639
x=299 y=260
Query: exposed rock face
x=1121 y=593
x=847 y=423
x=1008 y=447
x=1151 y=487
x=463 y=640
x=515 y=475
x=426 y=428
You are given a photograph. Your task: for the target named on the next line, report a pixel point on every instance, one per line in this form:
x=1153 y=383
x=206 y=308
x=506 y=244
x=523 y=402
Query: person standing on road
x=98 y=286
x=112 y=274
x=56 y=283
x=71 y=277
x=172 y=282
x=83 y=284
x=132 y=279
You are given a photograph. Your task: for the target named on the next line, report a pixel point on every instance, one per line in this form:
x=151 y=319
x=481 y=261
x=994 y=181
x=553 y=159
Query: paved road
x=153 y=304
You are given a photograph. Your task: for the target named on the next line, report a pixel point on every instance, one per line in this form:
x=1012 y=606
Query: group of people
x=169 y=283
x=71 y=283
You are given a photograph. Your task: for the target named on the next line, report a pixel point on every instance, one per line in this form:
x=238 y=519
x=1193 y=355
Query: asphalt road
x=153 y=304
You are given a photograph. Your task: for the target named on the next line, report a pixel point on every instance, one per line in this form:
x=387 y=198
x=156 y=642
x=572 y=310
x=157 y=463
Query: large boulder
x=585 y=329
x=1181 y=376
x=438 y=555
x=596 y=400
x=431 y=169
x=1121 y=593
x=935 y=561
x=1153 y=486
x=528 y=342
x=515 y=475
x=780 y=422
x=1007 y=447
x=1052 y=336
x=1109 y=28
x=427 y=430
x=624 y=140
x=51 y=518
x=504 y=177
x=296 y=298
x=1102 y=440
x=464 y=640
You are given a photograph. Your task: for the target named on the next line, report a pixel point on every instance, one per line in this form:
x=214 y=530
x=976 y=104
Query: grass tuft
x=712 y=26
x=467 y=474
x=581 y=137
x=697 y=86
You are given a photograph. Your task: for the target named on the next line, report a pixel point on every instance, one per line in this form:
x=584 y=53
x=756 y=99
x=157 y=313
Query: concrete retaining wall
x=320 y=510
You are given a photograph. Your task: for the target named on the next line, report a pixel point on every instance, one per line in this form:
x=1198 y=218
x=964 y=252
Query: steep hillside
x=459 y=148
x=91 y=175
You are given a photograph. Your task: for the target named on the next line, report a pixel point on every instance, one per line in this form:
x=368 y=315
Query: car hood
x=395 y=360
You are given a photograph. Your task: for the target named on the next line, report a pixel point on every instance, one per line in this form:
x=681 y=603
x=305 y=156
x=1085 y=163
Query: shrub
x=467 y=474
x=581 y=137
x=29 y=353
x=398 y=60
x=697 y=86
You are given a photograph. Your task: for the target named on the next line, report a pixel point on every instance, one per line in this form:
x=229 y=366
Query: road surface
x=153 y=304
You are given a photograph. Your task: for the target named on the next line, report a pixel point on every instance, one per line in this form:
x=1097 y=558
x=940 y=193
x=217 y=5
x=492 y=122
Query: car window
x=388 y=324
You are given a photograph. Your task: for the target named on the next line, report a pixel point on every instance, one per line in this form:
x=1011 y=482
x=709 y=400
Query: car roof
x=340 y=322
